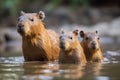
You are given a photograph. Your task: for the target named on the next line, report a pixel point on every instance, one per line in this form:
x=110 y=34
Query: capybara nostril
x=62 y=45
x=93 y=43
x=20 y=25
x=20 y=28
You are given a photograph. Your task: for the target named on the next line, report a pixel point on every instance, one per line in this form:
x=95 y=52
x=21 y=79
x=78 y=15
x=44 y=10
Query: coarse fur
x=70 y=49
x=38 y=44
x=91 y=46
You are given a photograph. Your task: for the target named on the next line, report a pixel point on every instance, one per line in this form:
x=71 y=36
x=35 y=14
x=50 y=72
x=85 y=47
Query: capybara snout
x=20 y=28
x=62 y=45
x=94 y=45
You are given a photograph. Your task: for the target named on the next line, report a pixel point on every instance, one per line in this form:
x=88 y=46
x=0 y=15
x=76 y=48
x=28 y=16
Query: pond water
x=14 y=68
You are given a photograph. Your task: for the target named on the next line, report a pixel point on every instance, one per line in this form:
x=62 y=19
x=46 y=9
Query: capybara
x=91 y=46
x=70 y=49
x=38 y=43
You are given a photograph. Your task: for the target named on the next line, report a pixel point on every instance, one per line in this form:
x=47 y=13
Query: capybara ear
x=76 y=32
x=22 y=12
x=62 y=31
x=82 y=34
x=41 y=15
x=96 y=32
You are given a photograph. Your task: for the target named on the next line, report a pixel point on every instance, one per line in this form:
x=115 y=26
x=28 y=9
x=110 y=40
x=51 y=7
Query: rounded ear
x=62 y=31
x=22 y=12
x=82 y=34
x=76 y=32
x=96 y=32
x=41 y=15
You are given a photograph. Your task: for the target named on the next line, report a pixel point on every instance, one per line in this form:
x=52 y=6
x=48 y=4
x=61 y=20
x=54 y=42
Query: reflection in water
x=70 y=71
x=94 y=68
x=47 y=71
x=9 y=71
x=14 y=68
x=40 y=70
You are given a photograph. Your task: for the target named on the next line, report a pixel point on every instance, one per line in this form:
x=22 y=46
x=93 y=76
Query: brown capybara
x=91 y=46
x=70 y=49
x=38 y=43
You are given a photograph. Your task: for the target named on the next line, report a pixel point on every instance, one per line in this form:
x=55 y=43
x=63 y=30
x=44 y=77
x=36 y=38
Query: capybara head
x=27 y=20
x=68 y=40
x=90 y=39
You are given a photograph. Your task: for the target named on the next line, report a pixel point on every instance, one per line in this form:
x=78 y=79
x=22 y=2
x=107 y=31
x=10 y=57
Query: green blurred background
x=72 y=11
x=98 y=14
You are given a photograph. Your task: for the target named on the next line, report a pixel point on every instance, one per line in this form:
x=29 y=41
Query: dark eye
x=32 y=20
x=70 y=37
x=98 y=38
x=87 y=38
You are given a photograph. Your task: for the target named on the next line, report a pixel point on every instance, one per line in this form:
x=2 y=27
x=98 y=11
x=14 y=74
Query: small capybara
x=91 y=46
x=70 y=49
x=38 y=43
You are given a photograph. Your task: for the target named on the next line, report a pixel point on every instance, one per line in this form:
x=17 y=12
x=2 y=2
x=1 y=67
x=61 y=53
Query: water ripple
x=12 y=59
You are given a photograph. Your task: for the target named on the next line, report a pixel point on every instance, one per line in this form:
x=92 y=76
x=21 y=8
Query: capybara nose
x=20 y=28
x=20 y=25
x=62 y=45
x=93 y=43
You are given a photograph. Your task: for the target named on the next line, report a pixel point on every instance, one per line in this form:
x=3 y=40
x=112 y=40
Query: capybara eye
x=87 y=38
x=70 y=37
x=32 y=20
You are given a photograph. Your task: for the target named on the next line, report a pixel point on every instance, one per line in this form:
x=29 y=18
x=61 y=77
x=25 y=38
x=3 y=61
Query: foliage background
x=10 y=10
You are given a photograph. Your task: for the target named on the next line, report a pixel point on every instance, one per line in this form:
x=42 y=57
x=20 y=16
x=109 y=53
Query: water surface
x=14 y=68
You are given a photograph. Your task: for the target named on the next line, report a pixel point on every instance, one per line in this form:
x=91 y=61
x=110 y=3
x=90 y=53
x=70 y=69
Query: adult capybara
x=91 y=46
x=70 y=49
x=38 y=44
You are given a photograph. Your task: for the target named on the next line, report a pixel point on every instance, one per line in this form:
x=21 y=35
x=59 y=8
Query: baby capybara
x=91 y=45
x=70 y=49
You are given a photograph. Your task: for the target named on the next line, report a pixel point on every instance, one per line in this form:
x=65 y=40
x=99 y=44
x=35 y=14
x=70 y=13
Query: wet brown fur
x=92 y=55
x=40 y=44
x=74 y=54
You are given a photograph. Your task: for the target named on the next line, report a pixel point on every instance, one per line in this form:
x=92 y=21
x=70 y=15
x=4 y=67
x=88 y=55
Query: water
x=14 y=68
